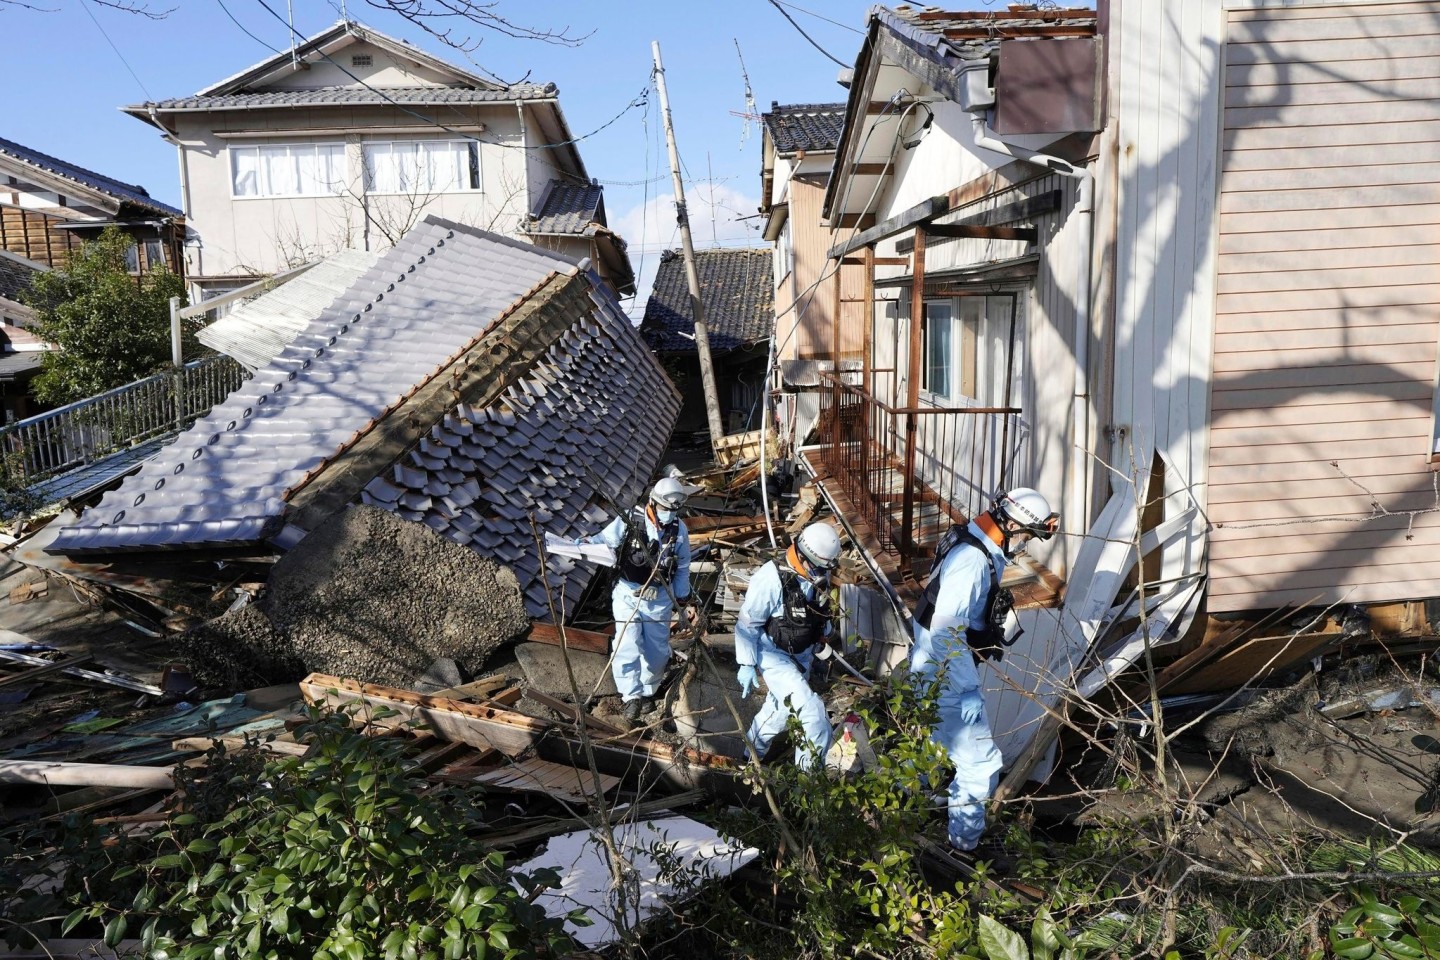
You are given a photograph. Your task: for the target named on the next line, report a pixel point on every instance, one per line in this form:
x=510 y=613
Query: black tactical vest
x=801 y=622
x=987 y=641
x=637 y=557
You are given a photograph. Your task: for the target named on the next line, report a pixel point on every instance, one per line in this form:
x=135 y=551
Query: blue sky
x=75 y=81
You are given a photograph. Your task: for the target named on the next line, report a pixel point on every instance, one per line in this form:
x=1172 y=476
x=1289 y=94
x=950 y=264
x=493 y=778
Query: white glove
x=746 y=676
x=972 y=706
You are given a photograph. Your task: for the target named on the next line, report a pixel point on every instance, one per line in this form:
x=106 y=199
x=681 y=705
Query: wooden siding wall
x=34 y=235
x=811 y=322
x=1327 y=304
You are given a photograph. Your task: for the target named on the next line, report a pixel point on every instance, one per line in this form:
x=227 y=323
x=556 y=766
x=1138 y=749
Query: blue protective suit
x=642 y=626
x=941 y=651
x=786 y=676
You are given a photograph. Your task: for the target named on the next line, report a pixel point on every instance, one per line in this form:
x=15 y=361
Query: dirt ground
x=1352 y=753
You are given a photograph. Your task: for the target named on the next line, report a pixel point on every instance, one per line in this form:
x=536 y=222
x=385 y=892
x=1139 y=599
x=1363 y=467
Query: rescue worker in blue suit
x=785 y=616
x=652 y=559
x=959 y=620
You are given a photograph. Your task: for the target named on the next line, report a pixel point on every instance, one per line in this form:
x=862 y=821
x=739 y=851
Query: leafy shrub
x=339 y=855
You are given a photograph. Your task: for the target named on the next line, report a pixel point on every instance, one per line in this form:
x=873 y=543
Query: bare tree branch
x=434 y=17
x=140 y=9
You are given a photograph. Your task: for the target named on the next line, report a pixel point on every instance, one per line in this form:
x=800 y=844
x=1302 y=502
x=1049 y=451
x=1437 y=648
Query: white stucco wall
x=262 y=235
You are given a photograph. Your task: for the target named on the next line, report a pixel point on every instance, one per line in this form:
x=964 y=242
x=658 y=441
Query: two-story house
x=351 y=139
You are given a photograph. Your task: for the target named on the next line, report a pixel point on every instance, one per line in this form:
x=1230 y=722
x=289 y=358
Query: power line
x=817 y=16
x=243 y=28
x=783 y=13
x=86 y=7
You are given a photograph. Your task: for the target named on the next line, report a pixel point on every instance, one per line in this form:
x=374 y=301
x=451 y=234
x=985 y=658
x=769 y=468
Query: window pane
x=334 y=167
x=132 y=258
x=382 y=168
x=441 y=170
x=245 y=171
x=154 y=255
x=472 y=151
x=938 y=349
x=311 y=175
x=281 y=174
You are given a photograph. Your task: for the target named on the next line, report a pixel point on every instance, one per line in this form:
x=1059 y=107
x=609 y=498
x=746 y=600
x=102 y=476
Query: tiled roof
x=568 y=208
x=348 y=96
x=737 y=289
x=124 y=192
x=805 y=126
x=974 y=35
x=15 y=275
x=594 y=411
x=256 y=330
x=13 y=365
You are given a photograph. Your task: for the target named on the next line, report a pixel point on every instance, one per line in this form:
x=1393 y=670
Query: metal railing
x=912 y=471
x=82 y=432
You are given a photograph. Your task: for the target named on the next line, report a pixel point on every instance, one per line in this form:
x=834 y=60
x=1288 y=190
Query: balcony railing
x=912 y=471
x=85 y=431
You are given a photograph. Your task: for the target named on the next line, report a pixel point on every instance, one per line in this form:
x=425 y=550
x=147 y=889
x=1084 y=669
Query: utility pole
x=702 y=335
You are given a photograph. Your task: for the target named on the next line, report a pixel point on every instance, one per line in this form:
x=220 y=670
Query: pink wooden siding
x=1327 y=299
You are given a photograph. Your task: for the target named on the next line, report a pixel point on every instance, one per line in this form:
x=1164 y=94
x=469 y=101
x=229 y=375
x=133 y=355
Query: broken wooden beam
x=114 y=680
x=202 y=744
x=574 y=638
x=573 y=713
x=484 y=726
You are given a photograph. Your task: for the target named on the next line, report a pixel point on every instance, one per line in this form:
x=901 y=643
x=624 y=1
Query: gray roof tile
x=804 y=126
x=124 y=192
x=568 y=208
x=351 y=96
x=736 y=288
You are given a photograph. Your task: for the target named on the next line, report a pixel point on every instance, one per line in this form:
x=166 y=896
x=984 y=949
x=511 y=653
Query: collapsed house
x=477 y=385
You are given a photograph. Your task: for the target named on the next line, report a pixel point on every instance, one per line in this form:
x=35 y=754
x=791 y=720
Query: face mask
x=664 y=516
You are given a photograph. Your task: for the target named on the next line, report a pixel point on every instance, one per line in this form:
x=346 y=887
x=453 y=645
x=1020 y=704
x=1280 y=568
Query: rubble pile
x=365 y=595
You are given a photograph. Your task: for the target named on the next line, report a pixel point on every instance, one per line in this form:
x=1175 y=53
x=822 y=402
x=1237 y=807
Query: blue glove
x=972 y=706
x=746 y=676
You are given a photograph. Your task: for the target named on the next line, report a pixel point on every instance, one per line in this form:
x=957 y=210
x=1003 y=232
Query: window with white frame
x=422 y=166
x=287 y=170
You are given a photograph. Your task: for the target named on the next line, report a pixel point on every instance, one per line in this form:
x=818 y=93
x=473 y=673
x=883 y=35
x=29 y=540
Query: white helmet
x=819 y=546
x=668 y=494
x=1029 y=509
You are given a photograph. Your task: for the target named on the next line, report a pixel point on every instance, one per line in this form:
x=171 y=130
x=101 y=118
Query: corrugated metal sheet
x=254 y=332
x=1325 y=336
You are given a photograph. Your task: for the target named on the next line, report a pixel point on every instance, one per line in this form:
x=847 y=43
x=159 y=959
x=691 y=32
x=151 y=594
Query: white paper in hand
x=594 y=552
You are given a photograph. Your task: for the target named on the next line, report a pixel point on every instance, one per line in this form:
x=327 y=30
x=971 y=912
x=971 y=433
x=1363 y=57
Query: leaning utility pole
x=702 y=335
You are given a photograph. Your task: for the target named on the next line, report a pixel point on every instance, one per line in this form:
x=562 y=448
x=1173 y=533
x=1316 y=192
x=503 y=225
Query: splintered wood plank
x=556 y=780
x=515 y=734
x=588 y=640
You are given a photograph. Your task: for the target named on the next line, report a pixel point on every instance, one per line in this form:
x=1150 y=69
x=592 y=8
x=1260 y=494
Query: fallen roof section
x=467 y=381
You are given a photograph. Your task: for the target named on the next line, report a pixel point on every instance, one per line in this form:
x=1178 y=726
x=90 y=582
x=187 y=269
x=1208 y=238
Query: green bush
x=338 y=855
